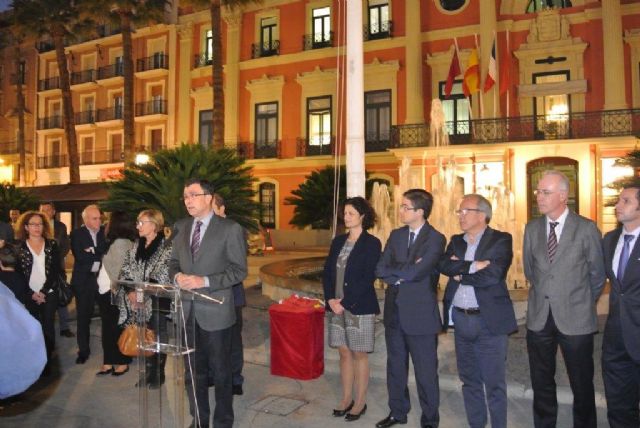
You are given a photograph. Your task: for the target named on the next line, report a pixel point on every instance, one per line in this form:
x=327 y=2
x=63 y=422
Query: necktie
x=624 y=256
x=411 y=236
x=195 y=239
x=552 y=242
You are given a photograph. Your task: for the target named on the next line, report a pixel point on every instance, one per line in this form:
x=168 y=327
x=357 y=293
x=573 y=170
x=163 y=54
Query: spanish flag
x=471 y=82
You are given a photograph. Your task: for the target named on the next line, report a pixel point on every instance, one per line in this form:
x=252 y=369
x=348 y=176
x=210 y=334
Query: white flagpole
x=507 y=45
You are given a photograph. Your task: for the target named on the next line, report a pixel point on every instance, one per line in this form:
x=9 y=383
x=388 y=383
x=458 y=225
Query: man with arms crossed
x=411 y=316
x=478 y=301
x=621 y=341
x=562 y=257
x=210 y=256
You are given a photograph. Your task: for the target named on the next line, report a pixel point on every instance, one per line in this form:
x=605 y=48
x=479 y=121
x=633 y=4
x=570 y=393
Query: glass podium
x=161 y=361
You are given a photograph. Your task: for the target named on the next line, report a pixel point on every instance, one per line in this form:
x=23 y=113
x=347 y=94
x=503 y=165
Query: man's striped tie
x=552 y=242
x=195 y=239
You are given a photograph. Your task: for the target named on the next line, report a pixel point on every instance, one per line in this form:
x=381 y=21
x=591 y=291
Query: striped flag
x=490 y=78
x=471 y=82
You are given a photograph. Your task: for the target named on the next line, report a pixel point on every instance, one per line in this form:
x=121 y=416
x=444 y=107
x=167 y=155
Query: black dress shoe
x=237 y=390
x=81 y=359
x=350 y=417
x=115 y=373
x=67 y=333
x=389 y=421
x=105 y=372
x=340 y=413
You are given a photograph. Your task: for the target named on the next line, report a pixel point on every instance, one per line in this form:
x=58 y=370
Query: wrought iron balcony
x=317 y=41
x=158 y=106
x=259 y=149
x=84 y=76
x=48 y=84
x=112 y=113
x=594 y=124
x=11 y=147
x=261 y=50
x=153 y=62
x=382 y=30
x=202 y=60
x=111 y=70
x=51 y=122
x=376 y=142
x=84 y=117
x=53 y=161
x=101 y=156
x=306 y=148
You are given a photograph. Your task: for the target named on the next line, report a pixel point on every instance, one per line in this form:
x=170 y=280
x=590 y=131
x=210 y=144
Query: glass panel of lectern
x=161 y=359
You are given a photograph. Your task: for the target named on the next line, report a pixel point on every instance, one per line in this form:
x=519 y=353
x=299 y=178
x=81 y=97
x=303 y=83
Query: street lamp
x=142 y=158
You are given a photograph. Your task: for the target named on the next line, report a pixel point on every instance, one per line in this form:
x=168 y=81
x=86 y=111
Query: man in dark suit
x=209 y=255
x=61 y=237
x=478 y=303
x=621 y=341
x=88 y=245
x=6 y=232
x=562 y=257
x=411 y=317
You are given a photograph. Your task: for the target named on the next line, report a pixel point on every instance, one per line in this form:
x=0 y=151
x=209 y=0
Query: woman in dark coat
x=348 y=282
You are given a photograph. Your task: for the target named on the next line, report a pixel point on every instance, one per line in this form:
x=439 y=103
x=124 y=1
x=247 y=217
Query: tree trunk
x=217 y=77
x=67 y=106
x=127 y=59
x=20 y=113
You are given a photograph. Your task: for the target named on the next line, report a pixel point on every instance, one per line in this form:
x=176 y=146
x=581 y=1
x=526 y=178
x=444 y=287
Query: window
x=158 y=60
x=266 y=123
x=319 y=121
x=456 y=111
x=268 y=205
x=268 y=27
x=118 y=106
x=20 y=73
x=205 y=134
x=452 y=5
x=156 y=140
x=321 y=27
x=536 y=5
x=86 y=156
x=377 y=119
x=55 y=159
x=208 y=47
x=378 y=19
x=551 y=111
x=116 y=147
x=119 y=71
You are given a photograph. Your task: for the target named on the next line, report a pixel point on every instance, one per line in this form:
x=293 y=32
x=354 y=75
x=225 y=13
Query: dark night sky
x=4 y=4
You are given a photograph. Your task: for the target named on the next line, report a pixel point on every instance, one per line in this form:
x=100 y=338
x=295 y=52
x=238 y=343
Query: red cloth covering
x=297 y=338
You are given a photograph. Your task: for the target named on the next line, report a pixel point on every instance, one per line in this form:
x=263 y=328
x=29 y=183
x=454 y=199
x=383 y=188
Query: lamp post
x=142 y=158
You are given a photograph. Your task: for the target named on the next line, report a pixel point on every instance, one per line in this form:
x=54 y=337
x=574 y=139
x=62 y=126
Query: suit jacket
x=574 y=280
x=489 y=283
x=624 y=300
x=359 y=294
x=222 y=258
x=61 y=237
x=416 y=298
x=6 y=232
x=83 y=260
x=51 y=264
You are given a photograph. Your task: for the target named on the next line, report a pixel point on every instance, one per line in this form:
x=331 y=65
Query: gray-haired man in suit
x=563 y=262
x=209 y=254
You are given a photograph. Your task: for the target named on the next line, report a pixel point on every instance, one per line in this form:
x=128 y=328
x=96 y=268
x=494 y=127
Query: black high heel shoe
x=105 y=372
x=115 y=373
x=340 y=413
x=350 y=417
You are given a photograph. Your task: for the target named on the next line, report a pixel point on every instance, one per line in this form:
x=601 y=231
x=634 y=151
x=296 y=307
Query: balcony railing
x=84 y=76
x=594 y=124
x=317 y=41
x=260 y=149
x=201 y=60
x=111 y=70
x=383 y=30
x=50 y=83
x=151 y=107
x=261 y=50
x=305 y=148
x=84 y=117
x=376 y=142
x=11 y=147
x=153 y=62
x=51 y=122
x=53 y=161
x=101 y=156
x=112 y=113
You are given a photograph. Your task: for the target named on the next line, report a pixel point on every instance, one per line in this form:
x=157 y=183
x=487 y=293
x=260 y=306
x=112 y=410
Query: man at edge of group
x=411 y=316
x=621 y=340
x=210 y=256
x=563 y=262
x=477 y=301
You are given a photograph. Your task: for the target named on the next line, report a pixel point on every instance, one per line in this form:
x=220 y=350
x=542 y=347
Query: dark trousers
x=237 y=350
x=621 y=376
x=577 y=351
x=423 y=350
x=481 y=358
x=212 y=355
x=110 y=332
x=63 y=318
x=46 y=314
x=85 y=301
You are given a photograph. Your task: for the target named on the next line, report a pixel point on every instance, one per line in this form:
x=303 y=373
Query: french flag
x=490 y=79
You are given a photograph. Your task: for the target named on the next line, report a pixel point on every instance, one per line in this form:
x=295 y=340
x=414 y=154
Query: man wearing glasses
x=477 y=303
x=563 y=263
x=209 y=255
x=411 y=317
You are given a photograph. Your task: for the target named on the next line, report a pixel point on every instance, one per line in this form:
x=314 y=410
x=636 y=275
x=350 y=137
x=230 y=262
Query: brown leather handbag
x=128 y=341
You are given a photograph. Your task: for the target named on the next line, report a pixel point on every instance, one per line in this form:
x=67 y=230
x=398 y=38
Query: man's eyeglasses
x=192 y=195
x=543 y=192
x=405 y=207
x=465 y=211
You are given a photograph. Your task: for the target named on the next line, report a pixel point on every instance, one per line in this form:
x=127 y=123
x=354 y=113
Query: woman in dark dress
x=348 y=282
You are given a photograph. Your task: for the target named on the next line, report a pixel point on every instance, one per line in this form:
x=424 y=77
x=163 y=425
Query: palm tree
x=59 y=20
x=159 y=183
x=12 y=197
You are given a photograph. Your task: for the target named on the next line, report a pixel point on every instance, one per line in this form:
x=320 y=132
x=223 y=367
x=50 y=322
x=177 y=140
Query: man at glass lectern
x=209 y=256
